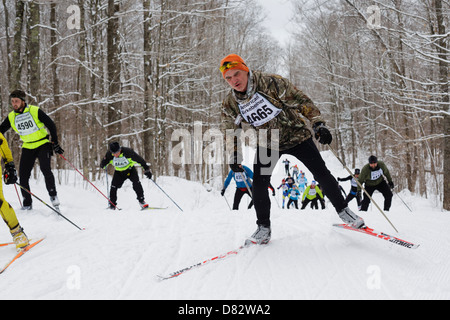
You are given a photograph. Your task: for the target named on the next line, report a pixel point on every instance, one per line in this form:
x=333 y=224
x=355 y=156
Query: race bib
x=120 y=162
x=25 y=124
x=240 y=176
x=312 y=192
x=374 y=175
x=258 y=110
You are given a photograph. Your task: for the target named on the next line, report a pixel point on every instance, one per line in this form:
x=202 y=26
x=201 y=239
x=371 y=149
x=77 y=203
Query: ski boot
x=350 y=218
x=261 y=236
x=20 y=238
x=55 y=202
x=143 y=205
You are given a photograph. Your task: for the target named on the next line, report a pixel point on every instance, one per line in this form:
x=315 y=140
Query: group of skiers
x=32 y=123
x=256 y=99
x=296 y=186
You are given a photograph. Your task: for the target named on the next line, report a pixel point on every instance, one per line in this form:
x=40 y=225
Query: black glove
x=222 y=192
x=57 y=148
x=391 y=185
x=10 y=174
x=148 y=173
x=235 y=162
x=322 y=133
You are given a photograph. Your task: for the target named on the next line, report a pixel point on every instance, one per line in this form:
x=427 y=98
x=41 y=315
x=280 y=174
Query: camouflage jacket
x=294 y=105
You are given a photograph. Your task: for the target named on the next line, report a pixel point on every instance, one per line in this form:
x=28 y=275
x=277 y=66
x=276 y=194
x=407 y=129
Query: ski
x=153 y=208
x=202 y=263
x=380 y=235
x=21 y=253
x=7 y=244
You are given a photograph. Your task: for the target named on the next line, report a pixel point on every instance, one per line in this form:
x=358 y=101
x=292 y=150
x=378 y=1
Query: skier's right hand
x=222 y=192
x=10 y=174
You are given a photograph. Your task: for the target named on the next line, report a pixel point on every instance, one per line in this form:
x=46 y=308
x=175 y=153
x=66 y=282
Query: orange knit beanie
x=232 y=61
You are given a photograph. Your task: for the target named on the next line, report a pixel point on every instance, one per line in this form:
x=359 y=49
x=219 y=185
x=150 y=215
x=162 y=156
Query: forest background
x=136 y=71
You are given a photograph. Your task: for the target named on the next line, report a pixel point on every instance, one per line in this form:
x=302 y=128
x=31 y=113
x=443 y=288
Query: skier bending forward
x=267 y=101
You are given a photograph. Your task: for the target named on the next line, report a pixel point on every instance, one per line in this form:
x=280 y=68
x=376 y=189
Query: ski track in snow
x=120 y=253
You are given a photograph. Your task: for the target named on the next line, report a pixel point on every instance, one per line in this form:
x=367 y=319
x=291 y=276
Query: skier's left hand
x=148 y=173
x=57 y=148
x=322 y=133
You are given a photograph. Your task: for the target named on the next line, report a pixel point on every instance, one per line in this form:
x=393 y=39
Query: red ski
x=380 y=235
x=21 y=253
x=6 y=244
x=220 y=257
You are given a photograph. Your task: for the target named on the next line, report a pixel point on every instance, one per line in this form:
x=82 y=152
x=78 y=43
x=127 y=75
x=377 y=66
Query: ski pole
x=385 y=179
x=246 y=185
x=362 y=188
x=59 y=213
x=88 y=180
x=17 y=192
x=227 y=203
x=107 y=183
x=166 y=195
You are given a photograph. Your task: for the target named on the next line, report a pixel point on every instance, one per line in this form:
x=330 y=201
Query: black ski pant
x=385 y=191
x=309 y=155
x=295 y=202
x=238 y=196
x=119 y=178
x=354 y=194
x=27 y=160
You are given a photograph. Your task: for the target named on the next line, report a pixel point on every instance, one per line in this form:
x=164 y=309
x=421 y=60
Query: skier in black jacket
x=354 y=193
x=124 y=159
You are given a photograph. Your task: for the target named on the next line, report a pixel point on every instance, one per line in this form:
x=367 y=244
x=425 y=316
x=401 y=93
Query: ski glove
x=148 y=173
x=57 y=148
x=10 y=174
x=322 y=133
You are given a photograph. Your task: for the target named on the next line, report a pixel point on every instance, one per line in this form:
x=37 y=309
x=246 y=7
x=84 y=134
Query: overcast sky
x=279 y=13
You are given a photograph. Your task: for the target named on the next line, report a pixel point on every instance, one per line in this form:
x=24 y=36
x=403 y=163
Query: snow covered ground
x=120 y=253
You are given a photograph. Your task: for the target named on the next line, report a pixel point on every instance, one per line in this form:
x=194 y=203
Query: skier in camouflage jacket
x=265 y=101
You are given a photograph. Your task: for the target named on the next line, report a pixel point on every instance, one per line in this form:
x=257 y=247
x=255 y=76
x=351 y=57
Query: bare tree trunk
x=443 y=51
x=113 y=84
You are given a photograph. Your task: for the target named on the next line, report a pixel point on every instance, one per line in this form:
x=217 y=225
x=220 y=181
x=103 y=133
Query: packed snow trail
x=120 y=253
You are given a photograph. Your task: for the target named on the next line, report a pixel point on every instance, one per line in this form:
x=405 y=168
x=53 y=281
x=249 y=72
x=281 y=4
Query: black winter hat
x=373 y=159
x=114 y=147
x=18 y=94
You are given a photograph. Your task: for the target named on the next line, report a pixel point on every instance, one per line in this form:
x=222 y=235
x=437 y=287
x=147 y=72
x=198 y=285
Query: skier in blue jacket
x=241 y=187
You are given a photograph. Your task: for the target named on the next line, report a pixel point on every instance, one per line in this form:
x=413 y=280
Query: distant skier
x=302 y=182
x=290 y=181
x=124 y=160
x=241 y=187
x=6 y=211
x=373 y=176
x=294 y=194
x=313 y=194
x=295 y=172
x=285 y=191
x=272 y=104
x=354 y=193
x=286 y=167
